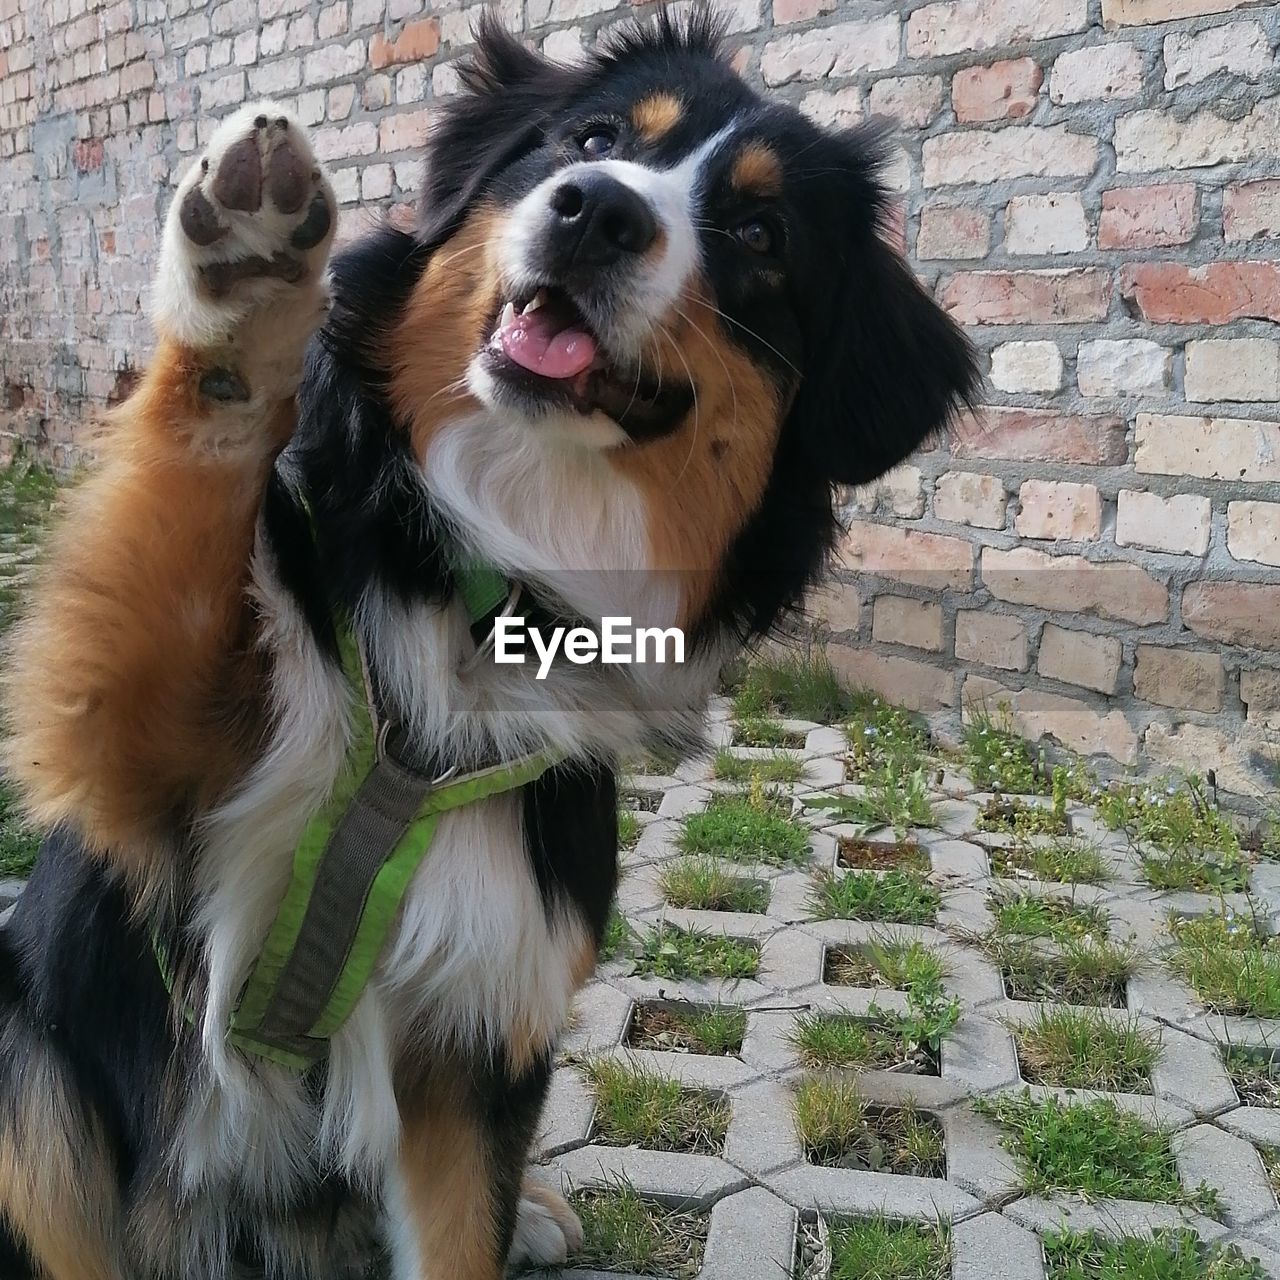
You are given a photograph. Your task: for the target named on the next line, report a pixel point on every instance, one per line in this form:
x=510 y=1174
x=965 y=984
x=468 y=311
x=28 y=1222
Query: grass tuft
x=637 y=1108
x=896 y=964
x=712 y=1030
x=798 y=686
x=891 y=897
x=1029 y=915
x=668 y=951
x=617 y=937
x=1168 y=1255
x=1079 y=972
x=1231 y=966
x=882 y=1249
x=624 y=1232
x=19 y=844
x=746 y=828
x=1085 y=1049
x=628 y=828
x=702 y=884
x=839 y=1129
x=1092 y=1148
x=1066 y=860
x=779 y=767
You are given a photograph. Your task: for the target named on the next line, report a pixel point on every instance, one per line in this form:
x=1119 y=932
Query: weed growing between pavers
x=760 y=731
x=668 y=951
x=645 y=801
x=1086 y=1049
x=617 y=937
x=897 y=798
x=839 y=1129
x=998 y=759
x=883 y=739
x=882 y=855
x=624 y=1232
x=637 y=1108
x=1168 y=1255
x=890 y=897
x=1230 y=966
x=672 y=1027
x=882 y=1249
x=1255 y=1074
x=883 y=1039
x=19 y=844
x=702 y=884
x=801 y=686
x=1012 y=817
x=1029 y=915
x=1185 y=842
x=628 y=829
x=755 y=827
x=779 y=767
x=1068 y=860
x=1093 y=1148
x=27 y=493
x=897 y=964
x=1076 y=972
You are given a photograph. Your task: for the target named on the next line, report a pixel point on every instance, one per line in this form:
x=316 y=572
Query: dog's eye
x=597 y=142
x=757 y=235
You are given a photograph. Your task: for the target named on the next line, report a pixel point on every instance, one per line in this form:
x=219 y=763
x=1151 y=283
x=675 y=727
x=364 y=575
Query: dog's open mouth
x=544 y=347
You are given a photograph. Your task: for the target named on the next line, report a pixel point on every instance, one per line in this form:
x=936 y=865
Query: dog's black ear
x=887 y=368
x=508 y=92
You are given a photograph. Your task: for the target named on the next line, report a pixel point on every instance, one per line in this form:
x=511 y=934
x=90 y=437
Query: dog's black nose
x=597 y=220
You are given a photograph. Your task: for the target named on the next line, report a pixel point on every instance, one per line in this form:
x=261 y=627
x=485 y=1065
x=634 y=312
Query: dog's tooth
x=508 y=315
x=539 y=299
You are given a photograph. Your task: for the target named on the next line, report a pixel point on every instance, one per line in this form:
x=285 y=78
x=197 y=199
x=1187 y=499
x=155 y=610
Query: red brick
x=1240 y=613
x=1072 y=584
x=1077 y=657
x=87 y=155
x=1153 y=217
x=418 y=40
x=800 y=10
x=404 y=132
x=923 y=559
x=1251 y=211
x=1218 y=293
x=1027 y=297
x=1041 y=435
x=1003 y=91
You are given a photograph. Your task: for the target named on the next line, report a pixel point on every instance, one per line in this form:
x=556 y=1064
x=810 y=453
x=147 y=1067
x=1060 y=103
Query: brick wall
x=1092 y=186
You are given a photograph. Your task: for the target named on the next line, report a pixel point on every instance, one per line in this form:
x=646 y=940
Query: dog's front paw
x=547 y=1230
x=246 y=243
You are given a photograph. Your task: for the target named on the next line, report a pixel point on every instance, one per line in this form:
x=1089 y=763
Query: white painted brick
x=1046 y=224
x=1179 y=525
x=1253 y=531
x=1097 y=73
x=1123 y=367
x=1233 y=369
x=1238 y=48
x=1024 y=367
x=985 y=156
x=836 y=51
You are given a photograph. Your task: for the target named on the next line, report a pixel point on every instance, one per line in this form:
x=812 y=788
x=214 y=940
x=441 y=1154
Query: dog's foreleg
x=132 y=689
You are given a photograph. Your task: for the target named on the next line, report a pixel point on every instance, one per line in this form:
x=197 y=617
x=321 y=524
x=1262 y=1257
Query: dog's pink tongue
x=534 y=343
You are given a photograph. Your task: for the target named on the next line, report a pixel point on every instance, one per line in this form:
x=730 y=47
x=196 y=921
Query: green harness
x=352 y=868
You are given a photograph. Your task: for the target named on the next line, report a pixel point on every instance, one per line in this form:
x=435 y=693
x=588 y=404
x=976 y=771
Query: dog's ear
x=508 y=92
x=885 y=366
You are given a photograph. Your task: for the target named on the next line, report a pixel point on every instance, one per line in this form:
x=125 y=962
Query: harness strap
x=354 y=864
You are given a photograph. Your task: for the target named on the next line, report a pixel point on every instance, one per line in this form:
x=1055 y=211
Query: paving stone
x=752 y=1237
x=762 y=1134
x=990 y=1247
x=681 y=1181
x=1231 y=1167
x=855 y=1192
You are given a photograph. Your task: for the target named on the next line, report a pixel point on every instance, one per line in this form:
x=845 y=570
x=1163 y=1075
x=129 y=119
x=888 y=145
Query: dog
x=646 y=323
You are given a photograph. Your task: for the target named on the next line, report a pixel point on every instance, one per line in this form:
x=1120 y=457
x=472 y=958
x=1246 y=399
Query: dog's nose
x=597 y=220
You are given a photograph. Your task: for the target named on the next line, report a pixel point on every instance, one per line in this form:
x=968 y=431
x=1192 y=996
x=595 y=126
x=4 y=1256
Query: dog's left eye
x=597 y=142
x=757 y=235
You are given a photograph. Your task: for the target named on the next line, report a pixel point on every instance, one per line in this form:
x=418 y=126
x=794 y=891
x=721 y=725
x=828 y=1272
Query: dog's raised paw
x=547 y=1231
x=252 y=219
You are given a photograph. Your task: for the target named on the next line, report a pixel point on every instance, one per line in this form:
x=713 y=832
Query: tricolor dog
x=323 y=877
